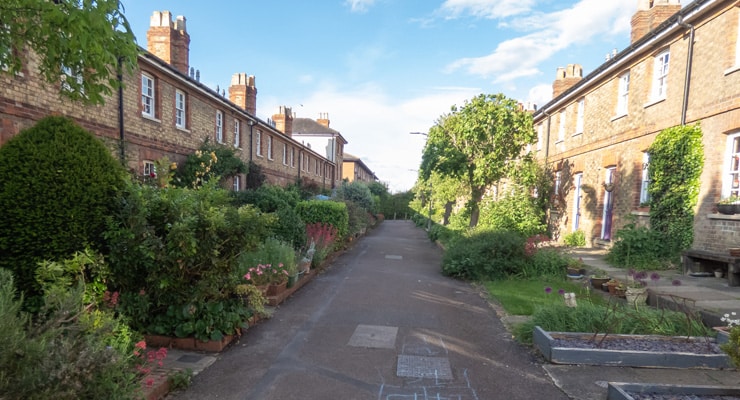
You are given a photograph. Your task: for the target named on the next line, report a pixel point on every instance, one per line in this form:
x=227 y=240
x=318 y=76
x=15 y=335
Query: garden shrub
x=546 y=262
x=173 y=256
x=282 y=202
x=330 y=212
x=272 y=252
x=357 y=192
x=485 y=255
x=358 y=218
x=210 y=161
x=575 y=239
x=639 y=248
x=519 y=212
x=55 y=356
x=57 y=185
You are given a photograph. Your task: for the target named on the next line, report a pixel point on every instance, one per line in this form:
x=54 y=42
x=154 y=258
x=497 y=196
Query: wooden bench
x=692 y=258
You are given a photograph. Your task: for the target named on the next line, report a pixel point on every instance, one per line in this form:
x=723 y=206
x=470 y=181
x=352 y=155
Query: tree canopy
x=477 y=143
x=79 y=42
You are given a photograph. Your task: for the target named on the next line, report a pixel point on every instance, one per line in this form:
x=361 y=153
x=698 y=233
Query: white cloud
x=377 y=125
x=521 y=56
x=359 y=6
x=490 y=9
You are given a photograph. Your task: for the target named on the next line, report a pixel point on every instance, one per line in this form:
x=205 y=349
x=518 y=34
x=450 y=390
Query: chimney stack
x=323 y=119
x=284 y=121
x=566 y=78
x=650 y=14
x=243 y=92
x=169 y=41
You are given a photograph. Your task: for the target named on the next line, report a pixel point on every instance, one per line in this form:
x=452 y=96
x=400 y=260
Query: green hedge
x=330 y=212
x=58 y=183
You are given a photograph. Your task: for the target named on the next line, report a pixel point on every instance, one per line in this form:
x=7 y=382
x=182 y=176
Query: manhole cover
x=392 y=257
x=189 y=358
x=423 y=367
x=375 y=336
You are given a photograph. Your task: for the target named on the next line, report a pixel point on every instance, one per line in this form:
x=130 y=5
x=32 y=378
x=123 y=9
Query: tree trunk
x=448 y=212
x=474 y=204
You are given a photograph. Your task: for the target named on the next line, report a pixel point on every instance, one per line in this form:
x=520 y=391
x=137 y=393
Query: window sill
x=182 y=129
x=728 y=217
x=259 y=155
x=559 y=141
x=150 y=118
x=654 y=102
x=577 y=134
x=732 y=70
x=616 y=117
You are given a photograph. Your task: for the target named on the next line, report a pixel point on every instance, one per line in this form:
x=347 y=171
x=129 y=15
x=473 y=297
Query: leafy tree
x=358 y=193
x=478 y=143
x=84 y=39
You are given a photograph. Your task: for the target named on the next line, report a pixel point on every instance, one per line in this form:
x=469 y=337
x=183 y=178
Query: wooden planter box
x=625 y=358
x=621 y=391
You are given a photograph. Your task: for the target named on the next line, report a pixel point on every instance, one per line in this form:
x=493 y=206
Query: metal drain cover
x=423 y=367
x=374 y=336
x=392 y=257
x=189 y=358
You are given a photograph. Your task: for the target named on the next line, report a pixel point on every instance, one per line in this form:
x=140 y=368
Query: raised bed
x=628 y=391
x=558 y=354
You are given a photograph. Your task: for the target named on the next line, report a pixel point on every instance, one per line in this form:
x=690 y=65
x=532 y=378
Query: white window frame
x=623 y=94
x=645 y=182
x=269 y=147
x=149 y=169
x=561 y=128
x=292 y=157
x=148 y=96
x=737 y=41
x=317 y=170
x=68 y=72
x=558 y=177
x=285 y=154
x=731 y=167
x=237 y=183
x=660 y=75
x=577 y=185
x=581 y=106
x=539 y=137
x=180 y=109
x=219 y=127
x=237 y=134
x=258 y=143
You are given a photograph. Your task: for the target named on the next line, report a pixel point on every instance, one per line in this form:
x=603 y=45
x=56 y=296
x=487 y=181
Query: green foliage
x=489 y=130
x=640 y=248
x=358 y=193
x=57 y=185
x=273 y=252
x=358 y=218
x=575 y=239
x=282 y=202
x=485 y=255
x=174 y=255
x=181 y=379
x=732 y=347
x=329 y=212
x=87 y=37
x=517 y=212
x=396 y=205
x=255 y=176
x=612 y=319
x=67 y=352
x=211 y=161
x=525 y=296
x=676 y=162
x=545 y=262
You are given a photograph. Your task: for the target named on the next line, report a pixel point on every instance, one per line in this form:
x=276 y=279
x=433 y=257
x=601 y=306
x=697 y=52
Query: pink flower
x=140 y=345
x=149 y=382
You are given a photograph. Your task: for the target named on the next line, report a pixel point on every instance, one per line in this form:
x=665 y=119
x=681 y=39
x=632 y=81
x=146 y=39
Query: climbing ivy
x=676 y=163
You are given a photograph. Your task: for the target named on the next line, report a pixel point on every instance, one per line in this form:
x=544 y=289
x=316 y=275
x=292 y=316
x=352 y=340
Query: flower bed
x=552 y=347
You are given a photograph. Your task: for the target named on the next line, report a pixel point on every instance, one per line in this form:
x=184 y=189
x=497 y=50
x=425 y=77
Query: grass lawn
x=522 y=297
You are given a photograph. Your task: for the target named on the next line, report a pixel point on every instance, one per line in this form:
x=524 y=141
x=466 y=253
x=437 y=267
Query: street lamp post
x=429 y=220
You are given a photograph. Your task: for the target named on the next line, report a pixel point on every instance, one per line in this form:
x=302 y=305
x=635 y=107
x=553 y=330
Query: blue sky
x=384 y=68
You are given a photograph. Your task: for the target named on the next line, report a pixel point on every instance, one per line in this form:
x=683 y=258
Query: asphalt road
x=381 y=323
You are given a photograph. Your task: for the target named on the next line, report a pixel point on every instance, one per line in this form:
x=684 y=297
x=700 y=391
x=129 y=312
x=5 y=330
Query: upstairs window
x=237 y=134
x=147 y=96
x=258 y=142
x=623 y=94
x=285 y=154
x=269 y=147
x=292 y=157
x=579 y=117
x=180 y=116
x=660 y=75
x=219 y=127
x=561 y=129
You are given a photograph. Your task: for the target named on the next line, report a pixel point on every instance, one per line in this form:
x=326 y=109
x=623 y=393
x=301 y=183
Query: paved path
x=382 y=324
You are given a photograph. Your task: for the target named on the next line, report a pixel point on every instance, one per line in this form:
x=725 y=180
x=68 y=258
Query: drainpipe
x=251 y=143
x=547 y=137
x=121 y=132
x=689 y=61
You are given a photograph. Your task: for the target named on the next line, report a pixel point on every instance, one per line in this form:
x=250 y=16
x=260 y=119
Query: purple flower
x=548 y=290
x=561 y=292
x=654 y=276
x=676 y=282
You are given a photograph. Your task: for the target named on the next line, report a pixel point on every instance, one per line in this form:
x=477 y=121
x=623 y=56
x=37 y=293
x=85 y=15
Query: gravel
x=636 y=344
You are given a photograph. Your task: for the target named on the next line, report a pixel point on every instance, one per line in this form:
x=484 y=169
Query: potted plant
x=598 y=278
x=729 y=205
x=575 y=267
